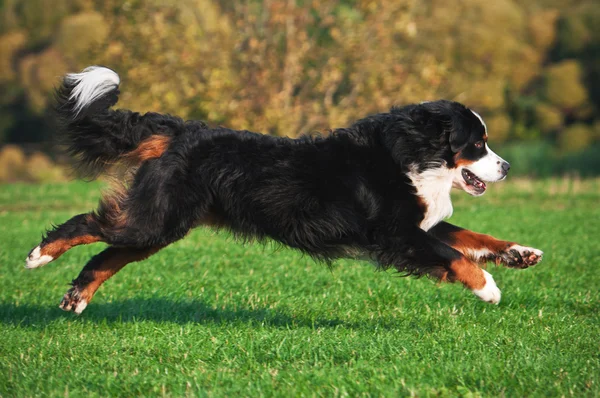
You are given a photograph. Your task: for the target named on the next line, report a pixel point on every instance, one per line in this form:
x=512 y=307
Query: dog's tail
x=97 y=136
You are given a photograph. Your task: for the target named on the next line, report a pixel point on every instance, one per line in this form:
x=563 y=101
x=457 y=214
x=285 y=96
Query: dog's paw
x=72 y=301
x=37 y=259
x=517 y=256
x=489 y=292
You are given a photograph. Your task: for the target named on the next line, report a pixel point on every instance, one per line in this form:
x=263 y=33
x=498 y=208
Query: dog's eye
x=479 y=144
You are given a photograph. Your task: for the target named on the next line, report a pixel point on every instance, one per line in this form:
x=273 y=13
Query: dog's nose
x=505 y=167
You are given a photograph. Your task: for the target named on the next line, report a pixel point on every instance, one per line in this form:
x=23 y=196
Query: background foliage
x=289 y=67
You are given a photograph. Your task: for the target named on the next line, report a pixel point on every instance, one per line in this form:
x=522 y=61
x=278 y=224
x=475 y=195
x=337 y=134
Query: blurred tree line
x=289 y=67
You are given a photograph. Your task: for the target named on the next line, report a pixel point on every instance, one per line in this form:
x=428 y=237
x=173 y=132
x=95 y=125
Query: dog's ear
x=459 y=136
x=430 y=118
x=443 y=117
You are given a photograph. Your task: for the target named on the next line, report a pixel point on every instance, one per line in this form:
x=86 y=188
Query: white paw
x=80 y=307
x=490 y=292
x=36 y=259
x=529 y=255
x=72 y=301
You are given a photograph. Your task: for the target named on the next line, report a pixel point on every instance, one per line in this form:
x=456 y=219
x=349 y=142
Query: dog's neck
x=433 y=187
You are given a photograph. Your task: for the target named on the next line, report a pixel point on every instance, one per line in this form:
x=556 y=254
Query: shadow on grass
x=159 y=310
x=164 y=310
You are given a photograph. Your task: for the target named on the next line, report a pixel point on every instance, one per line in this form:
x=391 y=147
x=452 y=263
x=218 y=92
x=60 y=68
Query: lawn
x=211 y=317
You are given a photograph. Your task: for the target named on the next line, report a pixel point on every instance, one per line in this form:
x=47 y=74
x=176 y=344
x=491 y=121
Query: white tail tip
x=89 y=85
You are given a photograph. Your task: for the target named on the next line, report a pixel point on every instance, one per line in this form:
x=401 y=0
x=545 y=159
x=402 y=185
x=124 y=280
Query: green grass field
x=209 y=316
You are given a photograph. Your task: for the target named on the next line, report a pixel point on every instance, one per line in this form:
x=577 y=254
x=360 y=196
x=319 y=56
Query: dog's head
x=451 y=138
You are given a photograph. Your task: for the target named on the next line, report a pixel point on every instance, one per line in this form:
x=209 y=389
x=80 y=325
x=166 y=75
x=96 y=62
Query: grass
x=210 y=317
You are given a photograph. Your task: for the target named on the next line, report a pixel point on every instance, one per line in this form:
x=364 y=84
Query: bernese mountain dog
x=377 y=190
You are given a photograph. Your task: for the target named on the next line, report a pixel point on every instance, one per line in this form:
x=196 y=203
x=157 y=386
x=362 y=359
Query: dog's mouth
x=474 y=184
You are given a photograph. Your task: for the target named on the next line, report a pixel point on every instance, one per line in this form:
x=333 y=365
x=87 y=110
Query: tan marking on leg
x=480 y=282
x=101 y=273
x=478 y=246
x=468 y=273
x=58 y=247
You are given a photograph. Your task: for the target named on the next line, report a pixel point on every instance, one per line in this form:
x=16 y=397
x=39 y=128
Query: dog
x=377 y=190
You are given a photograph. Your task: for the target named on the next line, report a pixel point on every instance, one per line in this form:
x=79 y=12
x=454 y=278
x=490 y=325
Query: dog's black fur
x=329 y=197
x=347 y=194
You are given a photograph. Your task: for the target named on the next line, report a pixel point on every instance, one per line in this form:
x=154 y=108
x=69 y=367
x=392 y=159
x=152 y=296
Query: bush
x=548 y=118
x=563 y=85
x=81 y=33
x=12 y=163
x=15 y=166
x=542 y=28
x=498 y=126
x=40 y=168
x=10 y=44
x=575 y=138
x=572 y=36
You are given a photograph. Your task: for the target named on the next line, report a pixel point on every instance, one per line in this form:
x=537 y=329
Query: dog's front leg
x=419 y=253
x=481 y=248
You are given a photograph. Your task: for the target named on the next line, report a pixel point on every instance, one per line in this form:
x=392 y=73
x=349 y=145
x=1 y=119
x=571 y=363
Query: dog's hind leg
x=136 y=226
x=100 y=268
x=79 y=230
x=97 y=226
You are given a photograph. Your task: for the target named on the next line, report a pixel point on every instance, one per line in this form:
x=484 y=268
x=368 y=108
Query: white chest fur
x=433 y=187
